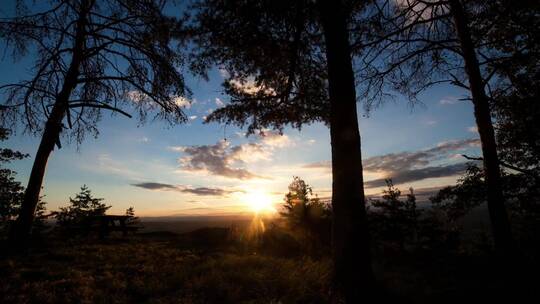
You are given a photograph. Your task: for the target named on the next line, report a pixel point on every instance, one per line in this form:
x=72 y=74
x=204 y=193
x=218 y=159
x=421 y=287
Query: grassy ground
x=157 y=270
x=171 y=268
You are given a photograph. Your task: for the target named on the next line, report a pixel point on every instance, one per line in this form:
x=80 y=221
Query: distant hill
x=182 y=224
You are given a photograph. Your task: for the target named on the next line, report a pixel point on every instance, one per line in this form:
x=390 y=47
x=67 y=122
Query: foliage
x=272 y=54
x=307 y=215
x=11 y=190
x=394 y=219
x=83 y=206
x=91 y=56
x=468 y=193
x=132 y=220
x=520 y=191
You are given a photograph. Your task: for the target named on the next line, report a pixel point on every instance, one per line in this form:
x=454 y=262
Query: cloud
x=182 y=102
x=250 y=87
x=473 y=129
x=136 y=96
x=411 y=166
x=201 y=191
x=155 y=186
x=405 y=176
x=222 y=159
x=193 y=117
x=219 y=159
x=275 y=139
x=420 y=10
x=224 y=73
x=449 y=100
x=219 y=102
x=395 y=162
x=325 y=164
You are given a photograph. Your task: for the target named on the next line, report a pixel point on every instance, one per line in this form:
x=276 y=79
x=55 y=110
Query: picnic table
x=109 y=223
x=104 y=225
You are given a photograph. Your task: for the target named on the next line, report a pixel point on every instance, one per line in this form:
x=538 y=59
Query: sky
x=210 y=169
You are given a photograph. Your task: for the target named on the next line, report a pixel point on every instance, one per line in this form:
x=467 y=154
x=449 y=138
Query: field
x=207 y=266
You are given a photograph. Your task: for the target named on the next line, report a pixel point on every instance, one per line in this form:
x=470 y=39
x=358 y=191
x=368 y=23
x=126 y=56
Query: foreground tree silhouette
x=415 y=44
x=289 y=62
x=90 y=55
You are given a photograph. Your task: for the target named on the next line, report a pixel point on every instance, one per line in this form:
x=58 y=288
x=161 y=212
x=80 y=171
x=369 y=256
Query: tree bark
x=353 y=275
x=500 y=224
x=53 y=127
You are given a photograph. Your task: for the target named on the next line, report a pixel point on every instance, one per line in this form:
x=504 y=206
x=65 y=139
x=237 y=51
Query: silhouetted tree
x=289 y=62
x=415 y=44
x=81 y=208
x=12 y=192
x=514 y=98
x=133 y=220
x=394 y=218
x=307 y=214
x=520 y=190
x=89 y=56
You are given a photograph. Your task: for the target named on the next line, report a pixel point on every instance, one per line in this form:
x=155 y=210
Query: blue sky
x=189 y=169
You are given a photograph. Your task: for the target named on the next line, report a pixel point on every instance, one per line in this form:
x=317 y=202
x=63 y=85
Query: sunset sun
x=259 y=201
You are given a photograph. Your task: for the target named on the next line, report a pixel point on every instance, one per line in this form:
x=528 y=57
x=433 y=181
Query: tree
x=12 y=192
x=306 y=214
x=82 y=207
x=396 y=219
x=514 y=98
x=90 y=56
x=132 y=220
x=290 y=63
x=413 y=45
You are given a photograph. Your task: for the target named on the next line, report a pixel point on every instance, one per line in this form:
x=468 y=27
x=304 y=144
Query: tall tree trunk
x=53 y=127
x=504 y=242
x=353 y=275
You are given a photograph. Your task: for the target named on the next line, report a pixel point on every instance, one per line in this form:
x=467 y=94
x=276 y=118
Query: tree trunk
x=504 y=242
x=353 y=275
x=53 y=127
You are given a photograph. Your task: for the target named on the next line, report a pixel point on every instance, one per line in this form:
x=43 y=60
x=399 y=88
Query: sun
x=259 y=201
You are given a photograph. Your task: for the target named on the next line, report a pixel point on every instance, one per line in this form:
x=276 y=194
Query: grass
x=206 y=267
x=154 y=270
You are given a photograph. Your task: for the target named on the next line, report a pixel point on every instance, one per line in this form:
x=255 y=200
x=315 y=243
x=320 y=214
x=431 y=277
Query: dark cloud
x=201 y=191
x=405 y=176
x=403 y=161
x=221 y=160
x=207 y=191
x=155 y=186
x=405 y=167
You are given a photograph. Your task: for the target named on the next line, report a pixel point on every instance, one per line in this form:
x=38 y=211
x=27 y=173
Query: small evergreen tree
x=307 y=215
x=133 y=220
x=83 y=206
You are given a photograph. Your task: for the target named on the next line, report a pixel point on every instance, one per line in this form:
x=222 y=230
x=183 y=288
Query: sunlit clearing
x=259 y=202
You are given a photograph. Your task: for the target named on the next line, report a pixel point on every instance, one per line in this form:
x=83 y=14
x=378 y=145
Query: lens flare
x=259 y=202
